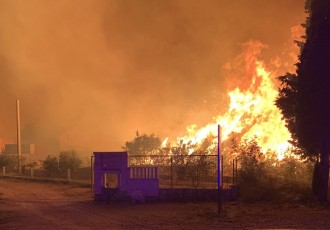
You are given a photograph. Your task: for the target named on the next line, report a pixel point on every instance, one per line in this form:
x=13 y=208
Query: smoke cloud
x=89 y=73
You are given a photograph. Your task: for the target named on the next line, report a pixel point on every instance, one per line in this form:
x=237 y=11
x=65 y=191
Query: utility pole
x=19 y=150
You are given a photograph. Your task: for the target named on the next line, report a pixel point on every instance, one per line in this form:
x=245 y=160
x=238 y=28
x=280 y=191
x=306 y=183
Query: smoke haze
x=89 y=73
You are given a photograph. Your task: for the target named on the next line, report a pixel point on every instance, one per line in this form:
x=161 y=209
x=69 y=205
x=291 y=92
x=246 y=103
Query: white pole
x=19 y=151
x=69 y=174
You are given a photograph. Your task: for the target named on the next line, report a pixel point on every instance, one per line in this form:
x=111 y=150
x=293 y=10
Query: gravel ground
x=33 y=205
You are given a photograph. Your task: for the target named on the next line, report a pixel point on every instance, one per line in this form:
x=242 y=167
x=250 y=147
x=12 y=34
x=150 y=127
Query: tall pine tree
x=305 y=98
x=313 y=109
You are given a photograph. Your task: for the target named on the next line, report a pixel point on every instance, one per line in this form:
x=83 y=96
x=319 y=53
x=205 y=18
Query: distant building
x=26 y=149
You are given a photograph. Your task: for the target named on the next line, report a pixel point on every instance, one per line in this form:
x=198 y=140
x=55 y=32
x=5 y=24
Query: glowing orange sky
x=89 y=73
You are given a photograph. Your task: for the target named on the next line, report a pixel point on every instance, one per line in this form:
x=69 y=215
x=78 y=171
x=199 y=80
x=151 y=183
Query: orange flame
x=252 y=112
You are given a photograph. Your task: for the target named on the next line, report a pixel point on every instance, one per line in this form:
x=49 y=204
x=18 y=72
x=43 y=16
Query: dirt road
x=31 y=205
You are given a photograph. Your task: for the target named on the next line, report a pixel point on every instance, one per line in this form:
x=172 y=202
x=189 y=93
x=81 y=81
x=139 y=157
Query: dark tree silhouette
x=143 y=144
x=305 y=97
x=287 y=101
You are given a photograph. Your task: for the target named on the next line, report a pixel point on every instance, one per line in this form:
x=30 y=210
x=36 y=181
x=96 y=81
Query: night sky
x=89 y=73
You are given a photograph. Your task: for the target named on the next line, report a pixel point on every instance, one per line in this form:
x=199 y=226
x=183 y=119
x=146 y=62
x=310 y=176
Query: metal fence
x=187 y=171
x=81 y=174
x=177 y=171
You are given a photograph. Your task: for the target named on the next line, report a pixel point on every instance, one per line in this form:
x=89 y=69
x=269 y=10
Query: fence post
x=156 y=173
x=236 y=179
x=32 y=175
x=4 y=170
x=222 y=172
x=69 y=174
x=171 y=172
x=233 y=172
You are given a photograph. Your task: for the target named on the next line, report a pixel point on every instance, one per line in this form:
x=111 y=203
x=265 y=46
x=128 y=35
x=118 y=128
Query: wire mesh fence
x=80 y=174
x=186 y=171
x=173 y=171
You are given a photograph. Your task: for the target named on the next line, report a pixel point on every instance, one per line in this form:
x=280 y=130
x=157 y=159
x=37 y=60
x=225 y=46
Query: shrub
x=68 y=160
x=8 y=161
x=51 y=166
x=268 y=179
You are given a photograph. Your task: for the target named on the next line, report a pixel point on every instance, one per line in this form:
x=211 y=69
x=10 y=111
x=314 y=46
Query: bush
x=58 y=166
x=268 y=179
x=68 y=160
x=8 y=161
x=51 y=166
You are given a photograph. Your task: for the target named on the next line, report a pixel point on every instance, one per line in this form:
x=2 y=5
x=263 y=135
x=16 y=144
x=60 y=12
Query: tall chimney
x=19 y=151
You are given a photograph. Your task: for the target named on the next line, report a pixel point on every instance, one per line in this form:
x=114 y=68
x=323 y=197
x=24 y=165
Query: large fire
x=252 y=112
